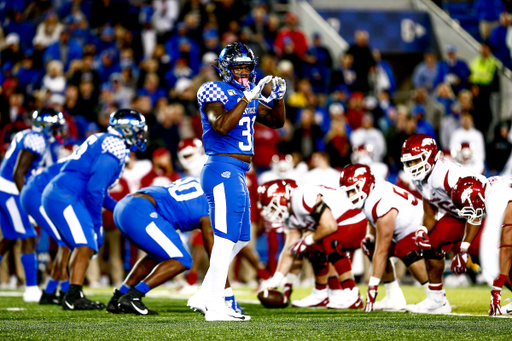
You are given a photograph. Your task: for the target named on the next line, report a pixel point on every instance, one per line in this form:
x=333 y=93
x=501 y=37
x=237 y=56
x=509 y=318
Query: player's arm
x=109 y=203
x=429 y=215
x=207 y=234
x=286 y=258
x=385 y=227
x=272 y=117
x=327 y=225
x=221 y=120
x=470 y=232
x=23 y=163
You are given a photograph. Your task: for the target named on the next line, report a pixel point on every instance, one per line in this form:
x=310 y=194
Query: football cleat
x=350 y=299
x=223 y=312
x=394 y=301
x=507 y=310
x=32 y=294
x=77 y=301
x=197 y=303
x=49 y=299
x=318 y=298
x=435 y=304
x=131 y=302
x=113 y=304
x=233 y=304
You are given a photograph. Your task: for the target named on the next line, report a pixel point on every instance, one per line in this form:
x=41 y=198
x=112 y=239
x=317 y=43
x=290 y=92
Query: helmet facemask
x=275 y=211
x=359 y=196
x=420 y=170
x=473 y=215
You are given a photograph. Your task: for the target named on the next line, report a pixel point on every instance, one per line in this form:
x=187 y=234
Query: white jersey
x=498 y=193
x=304 y=200
x=386 y=196
x=437 y=188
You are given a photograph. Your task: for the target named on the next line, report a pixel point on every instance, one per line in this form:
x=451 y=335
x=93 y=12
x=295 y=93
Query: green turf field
x=23 y=321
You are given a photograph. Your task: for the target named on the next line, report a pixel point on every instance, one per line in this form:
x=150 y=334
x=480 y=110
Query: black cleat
x=131 y=303
x=112 y=306
x=78 y=301
x=49 y=299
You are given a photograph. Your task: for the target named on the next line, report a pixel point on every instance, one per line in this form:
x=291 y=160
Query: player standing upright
x=73 y=199
x=434 y=177
x=25 y=154
x=228 y=112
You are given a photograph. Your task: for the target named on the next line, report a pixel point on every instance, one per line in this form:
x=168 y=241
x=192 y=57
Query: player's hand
x=495 y=303
x=278 y=88
x=299 y=247
x=255 y=93
x=371 y=295
x=422 y=239
x=273 y=283
x=459 y=262
x=368 y=245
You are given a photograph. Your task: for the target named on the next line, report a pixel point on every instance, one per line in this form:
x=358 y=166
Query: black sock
x=74 y=288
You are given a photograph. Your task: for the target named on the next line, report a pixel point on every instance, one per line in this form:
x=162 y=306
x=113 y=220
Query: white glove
x=274 y=282
x=278 y=88
x=255 y=93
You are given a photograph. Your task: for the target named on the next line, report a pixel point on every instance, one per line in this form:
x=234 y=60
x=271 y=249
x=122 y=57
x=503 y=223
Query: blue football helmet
x=49 y=122
x=236 y=54
x=130 y=125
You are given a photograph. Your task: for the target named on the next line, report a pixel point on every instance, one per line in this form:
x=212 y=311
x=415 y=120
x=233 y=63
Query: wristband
x=464 y=246
x=374 y=281
x=245 y=100
x=309 y=240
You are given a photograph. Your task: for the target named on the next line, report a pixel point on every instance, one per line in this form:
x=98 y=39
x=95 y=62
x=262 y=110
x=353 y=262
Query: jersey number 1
x=246 y=132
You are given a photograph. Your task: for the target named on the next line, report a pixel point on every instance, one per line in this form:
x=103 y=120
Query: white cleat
x=431 y=305
x=351 y=299
x=318 y=298
x=197 y=303
x=507 y=310
x=224 y=313
x=391 y=302
x=32 y=294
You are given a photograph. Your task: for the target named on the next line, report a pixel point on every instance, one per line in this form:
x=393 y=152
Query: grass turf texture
x=176 y=321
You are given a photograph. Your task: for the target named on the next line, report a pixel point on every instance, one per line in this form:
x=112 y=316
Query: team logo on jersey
x=153 y=215
x=226 y=174
x=231 y=92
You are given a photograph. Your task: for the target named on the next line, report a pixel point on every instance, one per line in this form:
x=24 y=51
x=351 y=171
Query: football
x=271 y=298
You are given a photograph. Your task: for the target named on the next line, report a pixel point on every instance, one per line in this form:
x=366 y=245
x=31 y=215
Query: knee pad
x=410 y=258
x=434 y=254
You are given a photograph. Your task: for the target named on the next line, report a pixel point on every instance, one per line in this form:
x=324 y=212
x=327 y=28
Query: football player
x=31 y=200
x=149 y=220
x=229 y=109
x=26 y=153
x=394 y=216
x=434 y=177
x=73 y=199
x=463 y=154
x=474 y=199
x=363 y=154
x=321 y=221
x=191 y=156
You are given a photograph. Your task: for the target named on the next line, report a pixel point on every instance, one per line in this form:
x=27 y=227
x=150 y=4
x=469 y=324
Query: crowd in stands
x=88 y=58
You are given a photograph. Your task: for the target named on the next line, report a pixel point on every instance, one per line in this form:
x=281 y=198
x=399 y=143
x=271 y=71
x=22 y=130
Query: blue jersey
x=39 y=181
x=240 y=139
x=27 y=139
x=182 y=203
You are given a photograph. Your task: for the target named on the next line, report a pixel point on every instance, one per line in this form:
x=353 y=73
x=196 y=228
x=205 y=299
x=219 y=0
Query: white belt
x=8 y=186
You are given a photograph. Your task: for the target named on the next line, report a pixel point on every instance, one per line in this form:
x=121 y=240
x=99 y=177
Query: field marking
x=11 y=294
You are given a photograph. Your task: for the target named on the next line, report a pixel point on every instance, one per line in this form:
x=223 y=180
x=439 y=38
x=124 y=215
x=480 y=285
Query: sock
x=348 y=284
x=498 y=282
x=64 y=286
x=222 y=249
x=391 y=287
x=334 y=283
x=30 y=265
x=435 y=287
x=124 y=289
x=51 y=287
x=228 y=292
x=142 y=287
x=320 y=286
x=287 y=290
x=192 y=278
x=73 y=288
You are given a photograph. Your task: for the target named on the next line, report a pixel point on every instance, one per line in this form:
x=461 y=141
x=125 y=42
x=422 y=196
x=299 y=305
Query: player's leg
x=505 y=264
x=320 y=295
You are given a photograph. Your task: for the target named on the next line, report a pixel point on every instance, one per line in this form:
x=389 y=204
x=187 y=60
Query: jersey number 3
x=246 y=132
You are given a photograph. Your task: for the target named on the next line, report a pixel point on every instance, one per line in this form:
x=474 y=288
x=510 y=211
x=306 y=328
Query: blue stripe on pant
x=73 y=222
x=31 y=200
x=13 y=218
x=223 y=182
x=139 y=222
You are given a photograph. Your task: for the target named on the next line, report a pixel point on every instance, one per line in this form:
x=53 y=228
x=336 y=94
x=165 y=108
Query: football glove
x=459 y=262
x=255 y=93
x=421 y=238
x=495 y=303
x=368 y=245
x=278 y=88
x=371 y=295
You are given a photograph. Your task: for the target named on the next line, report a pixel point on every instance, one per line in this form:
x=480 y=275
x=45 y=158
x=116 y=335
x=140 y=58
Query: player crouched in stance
x=149 y=219
x=394 y=216
x=229 y=110
x=73 y=199
x=434 y=177
x=25 y=154
x=474 y=199
x=320 y=223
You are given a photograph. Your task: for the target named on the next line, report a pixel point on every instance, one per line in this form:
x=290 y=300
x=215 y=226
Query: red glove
x=301 y=245
x=495 y=303
x=421 y=238
x=368 y=245
x=370 y=298
x=459 y=262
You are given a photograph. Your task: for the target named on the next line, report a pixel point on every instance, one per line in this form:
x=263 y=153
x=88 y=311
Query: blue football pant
x=14 y=220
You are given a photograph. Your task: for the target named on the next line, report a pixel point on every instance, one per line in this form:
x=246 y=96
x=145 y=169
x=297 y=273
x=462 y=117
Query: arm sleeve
x=108 y=202
x=103 y=170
